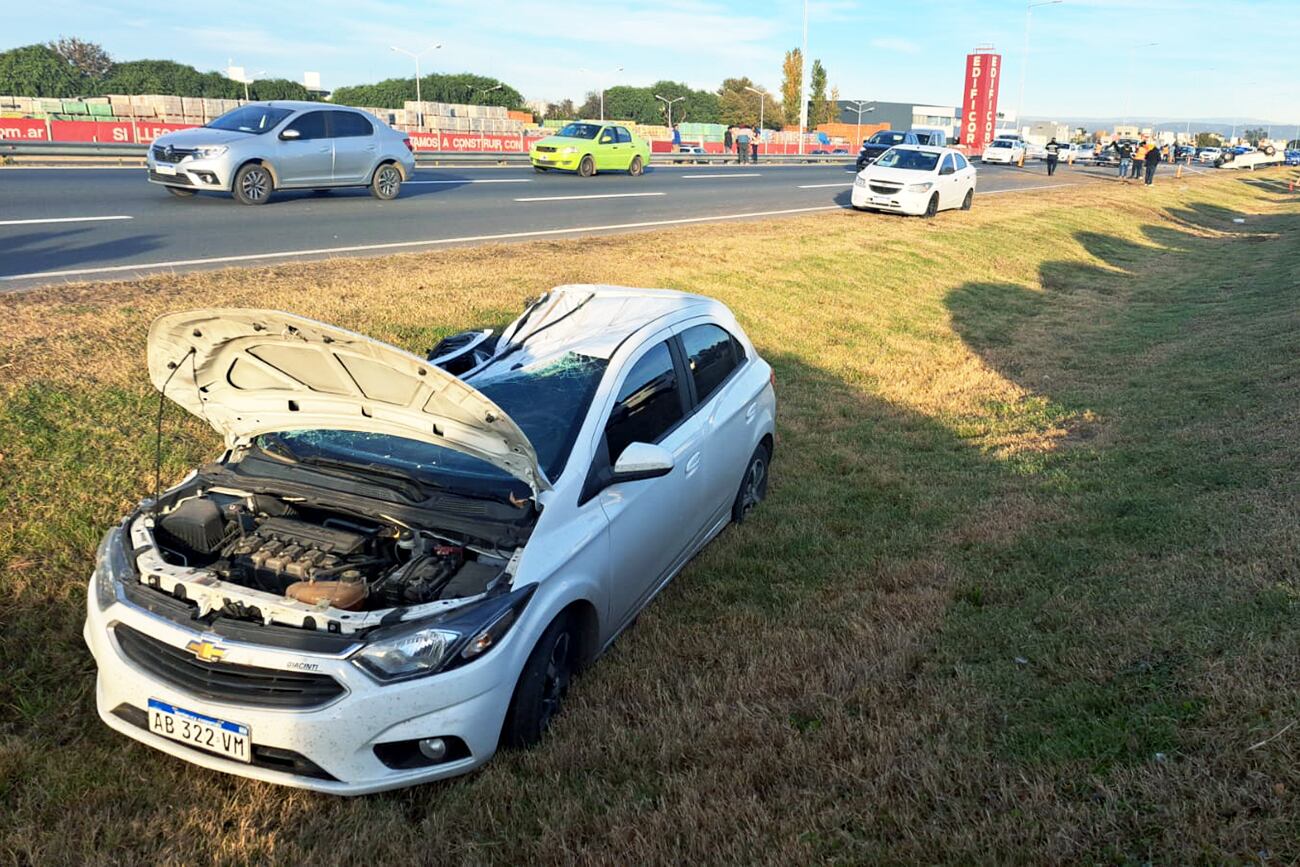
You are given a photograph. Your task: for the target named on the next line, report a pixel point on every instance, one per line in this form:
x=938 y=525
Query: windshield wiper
x=274 y=446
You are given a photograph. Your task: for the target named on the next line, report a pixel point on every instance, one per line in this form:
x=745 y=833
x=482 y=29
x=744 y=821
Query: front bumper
x=336 y=739
x=900 y=201
x=555 y=160
x=194 y=174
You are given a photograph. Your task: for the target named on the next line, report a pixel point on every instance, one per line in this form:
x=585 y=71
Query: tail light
x=407 y=141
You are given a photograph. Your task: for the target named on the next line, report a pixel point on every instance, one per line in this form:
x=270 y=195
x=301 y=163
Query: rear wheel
x=933 y=207
x=587 y=167
x=180 y=192
x=970 y=197
x=753 y=486
x=253 y=185
x=635 y=168
x=386 y=183
x=542 y=685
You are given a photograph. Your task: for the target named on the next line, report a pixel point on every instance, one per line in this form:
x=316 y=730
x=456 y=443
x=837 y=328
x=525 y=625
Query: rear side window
x=623 y=135
x=649 y=403
x=349 y=124
x=711 y=354
x=309 y=126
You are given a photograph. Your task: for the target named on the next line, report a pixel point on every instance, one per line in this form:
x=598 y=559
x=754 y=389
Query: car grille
x=545 y=149
x=171 y=154
x=179 y=179
x=885 y=188
x=225 y=681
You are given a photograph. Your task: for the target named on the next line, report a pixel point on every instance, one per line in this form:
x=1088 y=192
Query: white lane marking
x=479 y=181
x=594 y=196
x=1029 y=189
x=63 y=220
x=398 y=245
x=819 y=186
x=728 y=175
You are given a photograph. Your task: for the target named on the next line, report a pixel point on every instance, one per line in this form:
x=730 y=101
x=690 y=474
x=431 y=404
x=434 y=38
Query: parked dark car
x=874 y=147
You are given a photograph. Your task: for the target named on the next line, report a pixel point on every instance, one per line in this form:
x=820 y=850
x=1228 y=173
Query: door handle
x=326 y=149
x=692 y=464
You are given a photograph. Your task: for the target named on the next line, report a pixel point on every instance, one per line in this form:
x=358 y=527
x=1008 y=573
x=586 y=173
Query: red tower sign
x=979 y=119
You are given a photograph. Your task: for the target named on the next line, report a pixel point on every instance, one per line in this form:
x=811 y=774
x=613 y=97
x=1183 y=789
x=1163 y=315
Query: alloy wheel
x=255 y=184
x=556 y=684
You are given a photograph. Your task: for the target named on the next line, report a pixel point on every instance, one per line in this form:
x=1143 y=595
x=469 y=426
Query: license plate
x=164 y=170
x=228 y=739
x=880 y=200
x=543 y=159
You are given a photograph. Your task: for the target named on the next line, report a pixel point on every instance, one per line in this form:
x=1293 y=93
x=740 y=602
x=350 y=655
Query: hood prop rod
x=157 y=443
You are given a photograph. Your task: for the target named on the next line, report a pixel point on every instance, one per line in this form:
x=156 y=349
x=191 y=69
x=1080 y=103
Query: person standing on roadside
x=1139 y=158
x=1125 y=153
x=726 y=141
x=1152 y=162
x=1053 y=155
x=742 y=145
x=753 y=147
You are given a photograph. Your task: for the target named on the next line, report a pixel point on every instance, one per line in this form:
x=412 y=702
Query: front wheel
x=635 y=168
x=587 y=167
x=386 y=183
x=753 y=485
x=542 y=685
x=970 y=197
x=933 y=207
x=180 y=192
x=253 y=185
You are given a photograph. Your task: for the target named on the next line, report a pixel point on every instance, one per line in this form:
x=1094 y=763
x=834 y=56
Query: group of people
x=1134 y=161
x=745 y=143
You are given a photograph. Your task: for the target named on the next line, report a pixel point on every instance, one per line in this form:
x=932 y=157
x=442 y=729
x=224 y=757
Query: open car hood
x=250 y=372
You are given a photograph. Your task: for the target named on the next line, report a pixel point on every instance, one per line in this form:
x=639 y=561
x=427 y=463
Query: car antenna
x=157 y=444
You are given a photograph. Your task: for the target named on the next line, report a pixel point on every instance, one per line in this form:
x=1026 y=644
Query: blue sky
x=1215 y=58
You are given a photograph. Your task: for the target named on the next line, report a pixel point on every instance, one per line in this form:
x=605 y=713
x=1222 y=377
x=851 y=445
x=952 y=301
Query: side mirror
x=290 y=135
x=605 y=139
x=948 y=170
x=642 y=461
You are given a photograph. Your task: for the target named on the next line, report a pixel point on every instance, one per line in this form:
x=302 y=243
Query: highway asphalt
x=63 y=225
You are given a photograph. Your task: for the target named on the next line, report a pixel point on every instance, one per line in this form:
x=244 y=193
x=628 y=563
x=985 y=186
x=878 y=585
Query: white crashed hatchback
x=397 y=565
x=916 y=180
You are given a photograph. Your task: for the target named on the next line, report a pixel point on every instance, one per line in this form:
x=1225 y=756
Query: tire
x=970 y=197
x=635 y=168
x=253 y=184
x=386 y=183
x=542 y=685
x=541 y=169
x=753 y=485
x=1269 y=150
x=180 y=192
x=933 y=207
x=587 y=167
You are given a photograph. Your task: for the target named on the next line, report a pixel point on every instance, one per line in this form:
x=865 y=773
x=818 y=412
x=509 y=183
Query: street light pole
x=803 y=79
x=669 y=103
x=416 y=55
x=762 y=104
x=858 y=106
x=1024 y=58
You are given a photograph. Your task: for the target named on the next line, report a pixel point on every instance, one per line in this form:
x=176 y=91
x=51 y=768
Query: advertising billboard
x=979 y=117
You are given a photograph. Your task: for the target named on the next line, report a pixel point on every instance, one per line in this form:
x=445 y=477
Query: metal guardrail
x=101 y=150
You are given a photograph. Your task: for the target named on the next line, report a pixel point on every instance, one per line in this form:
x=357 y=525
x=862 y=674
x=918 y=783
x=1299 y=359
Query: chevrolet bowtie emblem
x=206 y=650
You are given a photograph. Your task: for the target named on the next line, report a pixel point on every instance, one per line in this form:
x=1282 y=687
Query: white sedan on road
x=399 y=564
x=916 y=180
x=1003 y=150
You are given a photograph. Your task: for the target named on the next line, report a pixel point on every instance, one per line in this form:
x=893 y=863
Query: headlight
x=112 y=566
x=919 y=188
x=859 y=182
x=441 y=643
x=207 y=153
x=569 y=150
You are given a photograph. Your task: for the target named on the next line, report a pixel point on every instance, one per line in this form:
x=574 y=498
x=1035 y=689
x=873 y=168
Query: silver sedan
x=267 y=146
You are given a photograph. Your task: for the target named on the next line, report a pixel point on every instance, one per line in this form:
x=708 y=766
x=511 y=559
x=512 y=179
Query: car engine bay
x=312 y=560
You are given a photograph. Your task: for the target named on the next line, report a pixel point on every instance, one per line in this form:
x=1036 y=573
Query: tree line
x=70 y=67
